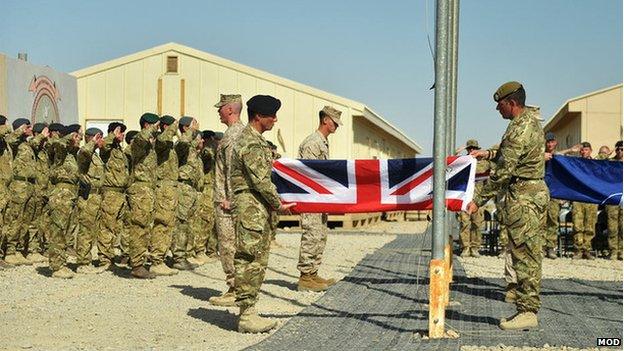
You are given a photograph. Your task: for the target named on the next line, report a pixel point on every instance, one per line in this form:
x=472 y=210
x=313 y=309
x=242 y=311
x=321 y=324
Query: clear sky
x=374 y=52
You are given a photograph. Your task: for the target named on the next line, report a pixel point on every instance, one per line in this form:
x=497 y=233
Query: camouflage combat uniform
x=116 y=177
x=472 y=225
x=166 y=194
x=614 y=225
x=254 y=197
x=203 y=225
x=141 y=195
x=91 y=169
x=584 y=216
x=6 y=175
x=314 y=147
x=519 y=174
x=64 y=178
x=223 y=192
x=36 y=238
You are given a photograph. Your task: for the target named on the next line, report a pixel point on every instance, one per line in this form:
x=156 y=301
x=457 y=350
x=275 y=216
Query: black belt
x=118 y=189
x=515 y=179
x=25 y=179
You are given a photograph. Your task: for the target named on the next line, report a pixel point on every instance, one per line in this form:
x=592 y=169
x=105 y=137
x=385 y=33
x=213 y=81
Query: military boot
x=184 y=265
x=195 y=261
x=250 y=322
x=474 y=252
x=521 y=320
x=465 y=252
x=89 y=269
x=17 y=259
x=162 y=269
x=36 y=257
x=228 y=298
x=588 y=255
x=203 y=258
x=577 y=255
x=550 y=253
x=5 y=265
x=141 y=273
x=308 y=283
x=510 y=293
x=63 y=273
x=329 y=282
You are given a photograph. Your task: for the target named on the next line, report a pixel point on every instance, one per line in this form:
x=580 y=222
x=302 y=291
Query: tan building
x=178 y=80
x=595 y=117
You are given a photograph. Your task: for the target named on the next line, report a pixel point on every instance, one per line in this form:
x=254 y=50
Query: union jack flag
x=352 y=186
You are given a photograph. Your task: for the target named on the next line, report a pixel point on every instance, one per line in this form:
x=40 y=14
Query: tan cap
x=228 y=99
x=506 y=89
x=333 y=114
x=472 y=143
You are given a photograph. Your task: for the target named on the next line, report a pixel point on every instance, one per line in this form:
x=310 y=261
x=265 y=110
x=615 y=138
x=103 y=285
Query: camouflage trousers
x=4 y=199
x=614 y=225
x=253 y=241
x=203 y=226
x=88 y=213
x=552 y=225
x=17 y=215
x=165 y=206
x=313 y=242
x=226 y=237
x=183 y=240
x=470 y=229
x=274 y=223
x=524 y=216
x=112 y=214
x=60 y=210
x=35 y=240
x=140 y=219
x=584 y=225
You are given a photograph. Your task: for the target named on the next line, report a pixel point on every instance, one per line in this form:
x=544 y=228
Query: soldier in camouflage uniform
x=520 y=175
x=315 y=147
x=274 y=215
x=18 y=212
x=229 y=108
x=614 y=217
x=584 y=219
x=91 y=168
x=254 y=197
x=189 y=175
x=472 y=225
x=141 y=194
x=122 y=242
x=6 y=174
x=116 y=178
x=166 y=196
x=64 y=179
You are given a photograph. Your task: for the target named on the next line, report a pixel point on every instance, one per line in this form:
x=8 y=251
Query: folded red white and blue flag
x=355 y=186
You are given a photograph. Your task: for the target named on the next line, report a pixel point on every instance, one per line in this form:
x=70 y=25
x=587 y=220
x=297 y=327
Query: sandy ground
x=560 y=268
x=110 y=311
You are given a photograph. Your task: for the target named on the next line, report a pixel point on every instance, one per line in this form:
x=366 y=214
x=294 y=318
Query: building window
x=172 y=64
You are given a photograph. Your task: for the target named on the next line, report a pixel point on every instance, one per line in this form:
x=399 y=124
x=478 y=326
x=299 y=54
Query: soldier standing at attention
x=315 y=147
x=116 y=176
x=584 y=219
x=18 y=211
x=614 y=217
x=141 y=194
x=254 y=197
x=472 y=225
x=229 y=108
x=6 y=174
x=274 y=215
x=520 y=175
x=91 y=169
x=64 y=178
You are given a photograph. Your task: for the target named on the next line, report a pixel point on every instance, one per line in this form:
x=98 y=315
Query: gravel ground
x=110 y=311
x=526 y=348
x=560 y=268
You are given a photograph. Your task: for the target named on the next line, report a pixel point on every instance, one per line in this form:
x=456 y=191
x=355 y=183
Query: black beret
x=186 y=121
x=130 y=135
x=148 y=117
x=72 y=128
x=20 y=122
x=113 y=125
x=2 y=120
x=618 y=144
x=207 y=134
x=93 y=131
x=218 y=135
x=38 y=127
x=166 y=119
x=264 y=105
x=56 y=127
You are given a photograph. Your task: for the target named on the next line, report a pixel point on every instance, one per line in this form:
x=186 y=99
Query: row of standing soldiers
x=134 y=202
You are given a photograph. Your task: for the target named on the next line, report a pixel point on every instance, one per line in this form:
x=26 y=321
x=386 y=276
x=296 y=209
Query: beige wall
x=372 y=142
x=126 y=91
x=568 y=131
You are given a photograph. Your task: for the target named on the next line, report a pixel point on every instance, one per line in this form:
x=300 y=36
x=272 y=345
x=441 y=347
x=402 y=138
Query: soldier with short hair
x=315 y=147
x=614 y=217
x=254 y=197
x=584 y=217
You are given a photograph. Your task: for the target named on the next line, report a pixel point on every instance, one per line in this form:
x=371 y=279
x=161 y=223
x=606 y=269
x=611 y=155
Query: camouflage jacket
x=223 y=176
x=251 y=168
x=314 y=147
x=6 y=156
x=90 y=165
x=64 y=166
x=43 y=167
x=207 y=157
x=188 y=159
x=143 y=156
x=116 y=170
x=165 y=154
x=521 y=155
x=24 y=158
